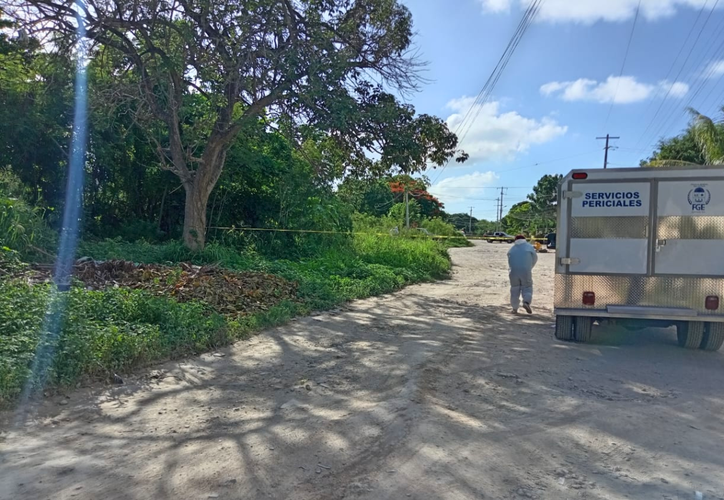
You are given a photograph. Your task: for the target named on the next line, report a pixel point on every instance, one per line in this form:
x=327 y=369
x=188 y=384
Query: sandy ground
x=435 y=392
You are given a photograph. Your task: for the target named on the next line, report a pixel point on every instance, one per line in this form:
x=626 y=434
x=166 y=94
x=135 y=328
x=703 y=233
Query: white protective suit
x=522 y=258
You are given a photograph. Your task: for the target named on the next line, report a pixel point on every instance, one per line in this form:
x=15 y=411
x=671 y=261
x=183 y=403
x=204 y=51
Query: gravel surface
x=435 y=392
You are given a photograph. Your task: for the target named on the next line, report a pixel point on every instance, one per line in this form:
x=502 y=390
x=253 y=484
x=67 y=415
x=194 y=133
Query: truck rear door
x=689 y=228
x=608 y=229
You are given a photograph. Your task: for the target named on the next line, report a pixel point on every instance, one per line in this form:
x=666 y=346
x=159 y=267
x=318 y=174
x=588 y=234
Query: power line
x=681 y=69
x=492 y=80
x=487 y=90
x=468 y=186
x=713 y=51
x=672 y=114
x=546 y=161
x=623 y=64
x=673 y=64
x=713 y=88
x=528 y=166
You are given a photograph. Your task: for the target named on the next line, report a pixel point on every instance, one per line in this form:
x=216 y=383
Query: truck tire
x=713 y=337
x=690 y=334
x=582 y=328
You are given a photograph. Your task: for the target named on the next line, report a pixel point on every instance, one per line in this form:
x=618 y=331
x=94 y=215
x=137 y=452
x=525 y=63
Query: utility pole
x=471 y=221
x=605 y=155
x=500 y=213
x=407 y=209
x=499 y=206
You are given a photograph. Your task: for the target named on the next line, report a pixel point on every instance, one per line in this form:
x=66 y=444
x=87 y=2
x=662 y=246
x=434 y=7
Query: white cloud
x=676 y=89
x=715 y=69
x=464 y=187
x=618 y=90
x=591 y=11
x=496 y=5
x=497 y=135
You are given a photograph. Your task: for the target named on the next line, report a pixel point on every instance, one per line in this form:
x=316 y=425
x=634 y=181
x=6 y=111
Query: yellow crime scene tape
x=359 y=233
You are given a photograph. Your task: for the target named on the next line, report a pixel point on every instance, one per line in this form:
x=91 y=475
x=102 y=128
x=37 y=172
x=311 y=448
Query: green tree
x=520 y=218
x=682 y=149
x=543 y=203
x=35 y=117
x=709 y=136
x=202 y=70
x=702 y=143
x=368 y=196
x=398 y=214
x=485 y=226
x=461 y=221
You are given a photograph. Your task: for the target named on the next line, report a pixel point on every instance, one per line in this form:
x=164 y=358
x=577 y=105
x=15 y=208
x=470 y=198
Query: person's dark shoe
x=527 y=308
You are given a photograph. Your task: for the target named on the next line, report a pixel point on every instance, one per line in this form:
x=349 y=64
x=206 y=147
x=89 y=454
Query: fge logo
x=699 y=197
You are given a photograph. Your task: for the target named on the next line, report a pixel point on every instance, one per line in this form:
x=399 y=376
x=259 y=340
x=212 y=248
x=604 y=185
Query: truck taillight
x=580 y=175
x=589 y=298
x=712 y=302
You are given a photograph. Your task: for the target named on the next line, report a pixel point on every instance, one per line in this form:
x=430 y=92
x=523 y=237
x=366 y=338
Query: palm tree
x=709 y=136
x=703 y=141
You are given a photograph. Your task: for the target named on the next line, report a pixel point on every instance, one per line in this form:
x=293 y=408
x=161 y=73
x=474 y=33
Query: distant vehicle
x=642 y=247
x=500 y=237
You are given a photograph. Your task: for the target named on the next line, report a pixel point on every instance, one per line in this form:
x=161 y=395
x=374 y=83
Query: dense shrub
x=22 y=227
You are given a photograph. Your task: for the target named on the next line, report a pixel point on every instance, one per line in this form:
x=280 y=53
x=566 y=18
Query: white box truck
x=642 y=247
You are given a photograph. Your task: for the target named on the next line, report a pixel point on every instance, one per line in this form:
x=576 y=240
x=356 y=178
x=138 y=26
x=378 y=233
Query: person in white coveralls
x=522 y=258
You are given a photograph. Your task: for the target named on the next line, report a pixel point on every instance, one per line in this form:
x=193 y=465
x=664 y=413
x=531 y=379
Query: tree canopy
x=702 y=143
x=544 y=202
x=194 y=74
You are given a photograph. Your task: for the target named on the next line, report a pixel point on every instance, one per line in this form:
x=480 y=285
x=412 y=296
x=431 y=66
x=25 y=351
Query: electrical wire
x=623 y=65
x=705 y=101
x=676 y=78
x=545 y=162
x=473 y=111
x=676 y=111
x=528 y=17
x=710 y=70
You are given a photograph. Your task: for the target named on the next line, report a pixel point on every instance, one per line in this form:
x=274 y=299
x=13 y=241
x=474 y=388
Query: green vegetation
x=294 y=164
x=102 y=332
x=702 y=143
x=197 y=88
x=114 y=330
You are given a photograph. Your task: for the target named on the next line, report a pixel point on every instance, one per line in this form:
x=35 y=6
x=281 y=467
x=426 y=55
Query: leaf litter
x=228 y=292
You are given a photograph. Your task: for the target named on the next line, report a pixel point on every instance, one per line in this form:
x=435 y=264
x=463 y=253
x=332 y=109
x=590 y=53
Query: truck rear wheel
x=690 y=333
x=582 y=328
x=713 y=337
x=564 y=327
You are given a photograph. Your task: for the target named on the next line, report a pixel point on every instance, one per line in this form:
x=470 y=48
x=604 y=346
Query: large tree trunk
x=198 y=191
x=197 y=199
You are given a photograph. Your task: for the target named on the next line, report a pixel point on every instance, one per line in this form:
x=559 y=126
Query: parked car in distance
x=500 y=237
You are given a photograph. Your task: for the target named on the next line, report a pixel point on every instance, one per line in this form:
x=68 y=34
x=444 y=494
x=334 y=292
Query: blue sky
x=562 y=87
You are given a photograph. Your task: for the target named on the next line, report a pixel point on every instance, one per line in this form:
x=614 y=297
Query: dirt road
x=435 y=392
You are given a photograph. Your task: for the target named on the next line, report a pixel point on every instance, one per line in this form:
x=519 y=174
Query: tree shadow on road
x=457 y=400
